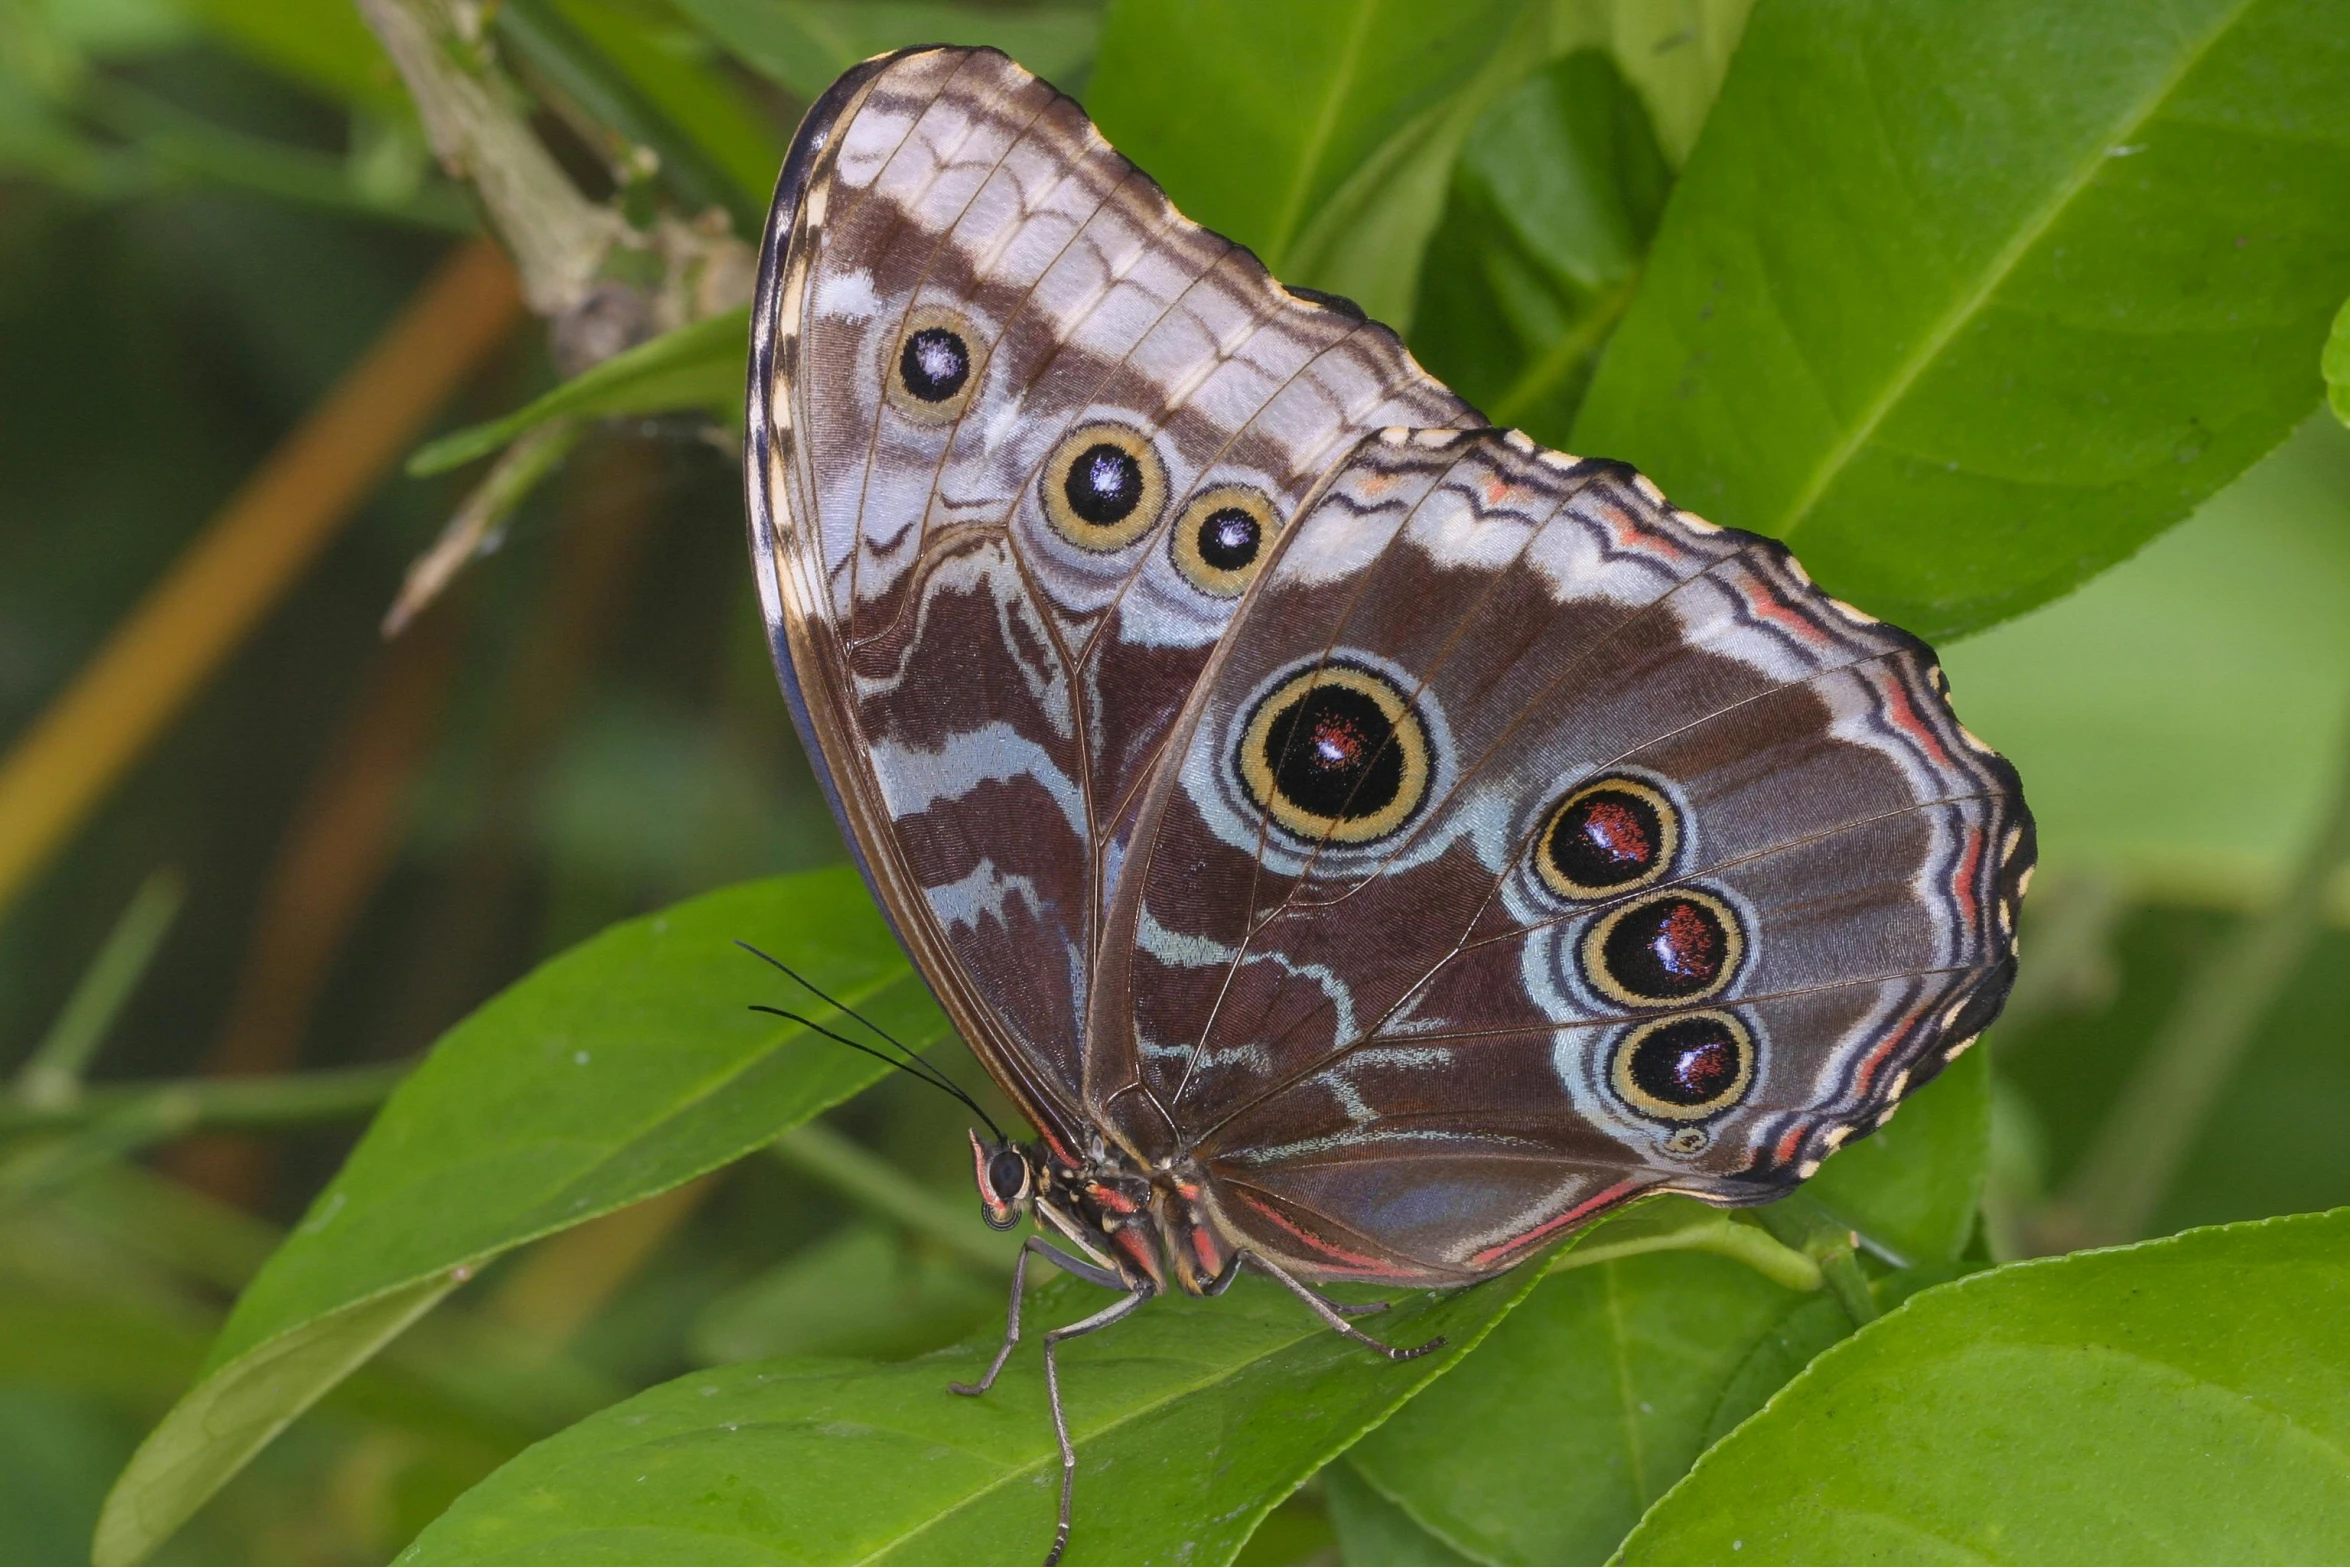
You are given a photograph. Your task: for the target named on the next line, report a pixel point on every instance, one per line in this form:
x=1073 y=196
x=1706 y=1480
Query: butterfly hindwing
x=1529 y=845
x=1020 y=436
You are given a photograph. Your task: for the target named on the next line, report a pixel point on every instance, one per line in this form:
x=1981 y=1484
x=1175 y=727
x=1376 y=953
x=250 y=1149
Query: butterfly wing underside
x=1019 y=436
x=1531 y=845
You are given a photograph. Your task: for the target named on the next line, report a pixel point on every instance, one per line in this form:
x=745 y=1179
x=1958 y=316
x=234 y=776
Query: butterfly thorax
x=1149 y=1227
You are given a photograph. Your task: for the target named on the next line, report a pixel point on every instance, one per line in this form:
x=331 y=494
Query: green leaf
x=1548 y=1444
x=2186 y=1399
x=804 y=44
x=1591 y=1402
x=1913 y=1186
x=1551 y=209
x=2213 y=667
x=217 y=1428
x=862 y=1293
x=1373 y=1531
x=1319 y=133
x=1191 y=1420
x=697 y=366
x=2337 y=365
x=1674 y=52
x=617 y=1070
x=1970 y=302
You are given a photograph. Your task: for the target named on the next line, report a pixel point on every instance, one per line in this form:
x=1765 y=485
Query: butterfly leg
x=1334 y=1314
x=1052 y=1392
x=1059 y=1259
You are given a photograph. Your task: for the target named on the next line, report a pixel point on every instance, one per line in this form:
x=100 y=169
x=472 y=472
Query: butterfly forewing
x=995 y=374
x=1531 y=844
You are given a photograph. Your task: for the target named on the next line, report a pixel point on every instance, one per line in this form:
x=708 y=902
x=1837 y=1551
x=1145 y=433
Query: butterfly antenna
x=912 y=1062
x=943 y=1085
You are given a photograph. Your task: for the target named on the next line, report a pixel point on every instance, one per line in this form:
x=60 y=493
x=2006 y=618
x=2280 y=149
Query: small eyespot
x=1103 y=487
x=1221 y=538
x=932 y=374
x=1687 y=1068
x=1606 y=838
x=1683 y=945
x=1335 y=753
x=1686 y=1141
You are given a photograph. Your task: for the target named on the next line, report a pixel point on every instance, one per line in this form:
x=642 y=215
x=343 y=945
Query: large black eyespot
x=1607 y=838
x=939 y=354
x=1222 y=536
x=1685 y=1068
x=1336 y=753
x=1683 y=945
x=1103 y=486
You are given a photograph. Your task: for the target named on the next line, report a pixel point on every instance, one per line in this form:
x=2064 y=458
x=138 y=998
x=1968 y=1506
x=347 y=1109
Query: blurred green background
x=209 y=209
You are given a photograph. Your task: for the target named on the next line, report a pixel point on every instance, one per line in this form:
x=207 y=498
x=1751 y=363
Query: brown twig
x=244 y=561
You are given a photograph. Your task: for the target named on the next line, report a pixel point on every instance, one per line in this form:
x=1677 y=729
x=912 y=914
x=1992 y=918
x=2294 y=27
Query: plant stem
x=1834 y=1247
x=558 y=237
x=1716 y=1233
x=53 y=1076
x=2128 y=1170
x=179 y=1106
x=887 y=1192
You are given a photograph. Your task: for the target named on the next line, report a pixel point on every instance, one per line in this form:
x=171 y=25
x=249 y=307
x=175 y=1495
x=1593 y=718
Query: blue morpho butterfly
x=1364 y=844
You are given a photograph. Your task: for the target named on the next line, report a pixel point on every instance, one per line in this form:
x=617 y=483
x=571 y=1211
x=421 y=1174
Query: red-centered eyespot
x=1676 y=946
x=1685 y=1068
x=1607 y=838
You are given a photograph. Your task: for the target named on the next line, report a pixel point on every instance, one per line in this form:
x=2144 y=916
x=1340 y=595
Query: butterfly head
x=1006 y=1174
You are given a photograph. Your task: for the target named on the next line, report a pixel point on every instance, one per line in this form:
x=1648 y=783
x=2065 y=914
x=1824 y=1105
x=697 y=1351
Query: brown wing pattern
x=1531 y=844
x=997 y=383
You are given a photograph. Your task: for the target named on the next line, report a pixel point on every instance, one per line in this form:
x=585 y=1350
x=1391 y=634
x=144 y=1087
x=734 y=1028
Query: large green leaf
x=2184 y=1400
x=804 y=44
x=1552 y=205
x=1588 y=1404
x=1320 y=133
x=1191 y=1419
x=1969 y=302
x=2337 y=365
x=1583 y=1408
x=621 y=1068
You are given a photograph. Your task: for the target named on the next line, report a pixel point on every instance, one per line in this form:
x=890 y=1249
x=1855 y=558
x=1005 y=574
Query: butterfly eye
x=1007 y=1176
x=938 y=360
x=1683 y=945
x=1686 y=1068
x=1222 y=536
x=1607 y=838
x=1336 y=753
x=1103 y=486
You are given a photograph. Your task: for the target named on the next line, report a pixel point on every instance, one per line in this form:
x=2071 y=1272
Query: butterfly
x=1364 y=845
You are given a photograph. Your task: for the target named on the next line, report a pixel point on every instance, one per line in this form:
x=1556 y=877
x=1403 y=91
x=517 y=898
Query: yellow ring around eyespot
x=1594 y=949
x=1183 y=542
x=1053 y=482
x=1642 y=1101
x=1669 y=827
x=1410 y=739
x=924 y=318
